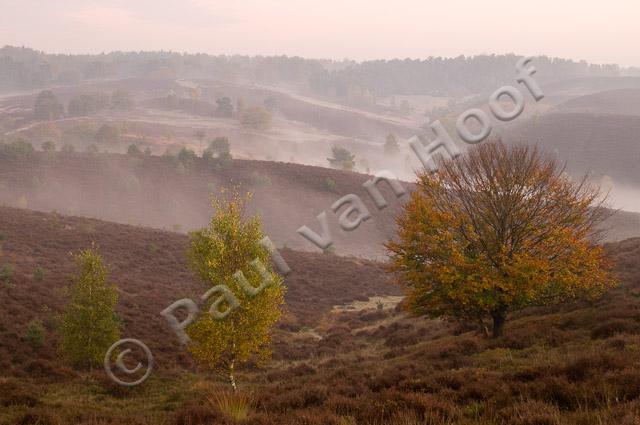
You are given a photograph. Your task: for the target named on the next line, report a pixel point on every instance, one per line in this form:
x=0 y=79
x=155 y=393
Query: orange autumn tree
x=499 y=229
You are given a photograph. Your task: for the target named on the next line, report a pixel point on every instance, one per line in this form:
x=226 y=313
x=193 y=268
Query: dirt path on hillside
x=389 y=119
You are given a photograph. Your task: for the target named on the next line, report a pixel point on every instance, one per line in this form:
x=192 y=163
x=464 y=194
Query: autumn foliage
x=496 y=230
x=230 y=244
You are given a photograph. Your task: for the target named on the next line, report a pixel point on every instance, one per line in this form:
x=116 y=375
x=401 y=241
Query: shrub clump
x=6 y=273
x=34 y=333
x=330 y=184
x=38 y=274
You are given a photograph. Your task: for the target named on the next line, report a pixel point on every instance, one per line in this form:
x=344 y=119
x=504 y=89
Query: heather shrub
x=17 y=394
x=532 y=412
x=196 y=413
x=613 y=327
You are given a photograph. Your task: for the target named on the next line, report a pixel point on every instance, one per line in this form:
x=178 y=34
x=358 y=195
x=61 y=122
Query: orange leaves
x=499 y=229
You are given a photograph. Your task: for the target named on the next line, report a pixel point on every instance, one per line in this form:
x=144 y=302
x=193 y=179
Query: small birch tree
x=90 y=324
x=230 y=244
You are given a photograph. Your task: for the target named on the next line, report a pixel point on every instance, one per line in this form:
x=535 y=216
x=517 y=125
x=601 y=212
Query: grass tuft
x=235 y=406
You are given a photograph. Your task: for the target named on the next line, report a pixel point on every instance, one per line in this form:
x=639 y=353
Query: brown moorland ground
x=149 y=268
x=574 y=364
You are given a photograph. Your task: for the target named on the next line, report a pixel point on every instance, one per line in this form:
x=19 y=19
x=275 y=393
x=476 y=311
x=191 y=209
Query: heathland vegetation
x=572 y=363
x=498 y=304
x=510 y=237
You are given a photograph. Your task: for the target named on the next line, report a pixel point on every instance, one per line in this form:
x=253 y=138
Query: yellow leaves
x=229 y=245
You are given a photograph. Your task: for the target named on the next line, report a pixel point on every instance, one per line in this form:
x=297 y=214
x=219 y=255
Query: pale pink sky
x=595 y=30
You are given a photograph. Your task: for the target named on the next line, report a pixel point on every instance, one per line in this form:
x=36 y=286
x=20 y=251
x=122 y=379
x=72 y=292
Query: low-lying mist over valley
x=296 y=111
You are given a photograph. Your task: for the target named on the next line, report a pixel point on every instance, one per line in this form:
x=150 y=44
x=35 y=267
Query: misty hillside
x=620 y=101
x=312 y=106
x=163 y=192
x=602 y=144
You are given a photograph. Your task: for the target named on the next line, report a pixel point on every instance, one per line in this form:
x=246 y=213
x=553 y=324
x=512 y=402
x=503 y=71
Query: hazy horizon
x=357 y=30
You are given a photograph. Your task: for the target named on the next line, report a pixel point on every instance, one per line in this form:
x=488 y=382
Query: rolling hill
x=357 y=364
x=602 y=144
x=149 y=268
x=161 y=192
x=620 y=101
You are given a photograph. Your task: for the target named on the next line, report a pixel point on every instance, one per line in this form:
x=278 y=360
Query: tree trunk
x=499 y=317
x=487 y=334
x=232 y=379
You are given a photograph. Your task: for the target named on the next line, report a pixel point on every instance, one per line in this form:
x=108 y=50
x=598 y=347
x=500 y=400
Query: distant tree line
x=23 y=68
